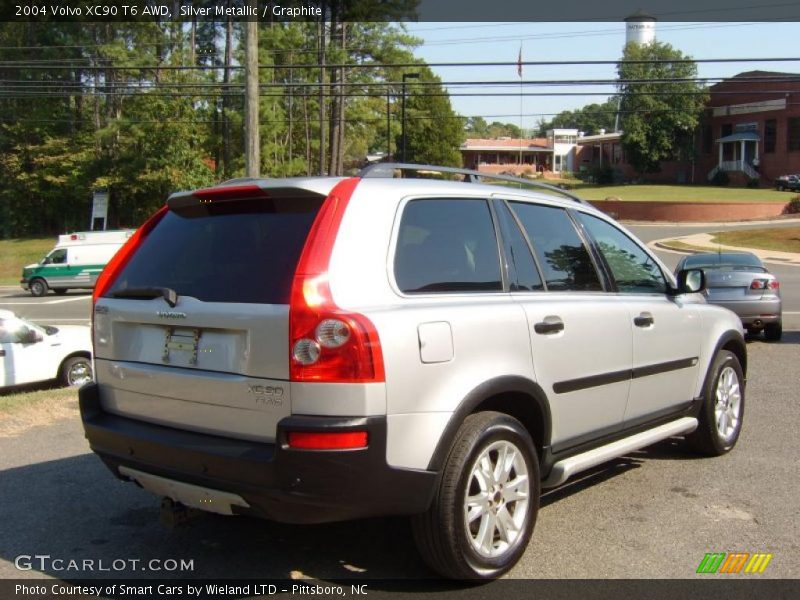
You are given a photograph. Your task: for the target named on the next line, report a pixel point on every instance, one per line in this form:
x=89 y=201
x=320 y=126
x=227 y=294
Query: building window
x=726 y=130
x=770 y=135
x=793 y=134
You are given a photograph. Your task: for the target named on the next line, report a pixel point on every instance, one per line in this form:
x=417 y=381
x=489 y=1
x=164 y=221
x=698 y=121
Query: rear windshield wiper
x=170 y=295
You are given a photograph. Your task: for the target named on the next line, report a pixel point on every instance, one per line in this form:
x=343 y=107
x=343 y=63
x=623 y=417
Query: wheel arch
x=732 y=341
x=74 y=354
x=515 y=396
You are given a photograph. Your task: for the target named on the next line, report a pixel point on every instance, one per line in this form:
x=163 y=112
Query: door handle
x=551 y=324
x=644 y=320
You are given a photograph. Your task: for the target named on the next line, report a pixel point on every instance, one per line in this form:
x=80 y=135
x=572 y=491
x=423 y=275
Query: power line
x=406 y=65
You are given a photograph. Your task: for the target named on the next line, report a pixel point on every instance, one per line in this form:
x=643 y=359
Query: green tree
x=590 y=119
x=661 y=105
x=433 y=130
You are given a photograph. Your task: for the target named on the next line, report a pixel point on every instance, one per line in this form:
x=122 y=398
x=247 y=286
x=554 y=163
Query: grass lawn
x=15 y=254
x=783 y=239
x=680 y=193
x=36 y=405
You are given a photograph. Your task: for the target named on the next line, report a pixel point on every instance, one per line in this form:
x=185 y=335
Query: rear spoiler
x=238 y=190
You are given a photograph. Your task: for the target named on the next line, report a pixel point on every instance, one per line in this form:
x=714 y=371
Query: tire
x=61 y=291
x=773 y=332
x=38 y=287
x=780 y=188
x=76 y=371
x=452 y=544
x=722 y=413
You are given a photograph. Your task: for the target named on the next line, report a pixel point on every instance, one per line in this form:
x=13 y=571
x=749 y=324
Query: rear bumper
x=751 y=312
x=278 y=483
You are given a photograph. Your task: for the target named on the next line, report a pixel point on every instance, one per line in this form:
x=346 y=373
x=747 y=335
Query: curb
x=663 y=244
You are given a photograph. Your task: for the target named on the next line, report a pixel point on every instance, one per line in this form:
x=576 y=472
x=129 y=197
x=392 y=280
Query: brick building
x=750 y=129
x=752 y=126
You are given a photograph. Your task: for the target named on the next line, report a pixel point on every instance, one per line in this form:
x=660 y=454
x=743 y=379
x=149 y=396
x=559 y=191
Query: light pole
x=406 y=76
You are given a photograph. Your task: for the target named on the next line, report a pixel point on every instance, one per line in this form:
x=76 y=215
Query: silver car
x=321 y=349
x=739 y=281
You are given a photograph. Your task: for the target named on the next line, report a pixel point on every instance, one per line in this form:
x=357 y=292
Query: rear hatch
x=193 y=332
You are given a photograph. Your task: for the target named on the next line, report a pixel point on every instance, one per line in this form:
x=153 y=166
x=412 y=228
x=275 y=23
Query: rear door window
x=564 y=258
x=234 y=251
x=522 y=271
x=447 y=245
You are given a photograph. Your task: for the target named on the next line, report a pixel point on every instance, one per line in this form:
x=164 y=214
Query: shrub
x=754 y=182
x=793 y=207
x=603 y=175
x=721 y=178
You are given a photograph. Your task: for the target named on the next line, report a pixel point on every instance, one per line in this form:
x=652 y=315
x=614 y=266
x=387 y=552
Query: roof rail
x=470 y=176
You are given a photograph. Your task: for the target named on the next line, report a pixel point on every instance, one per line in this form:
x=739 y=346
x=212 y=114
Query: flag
x=519 y=61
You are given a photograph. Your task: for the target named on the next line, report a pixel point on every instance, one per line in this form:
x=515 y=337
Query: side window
x=633 y=269
x=522 y=269
x=13 y=331
x=565 y=260
x=58 y=257
x=447 y=245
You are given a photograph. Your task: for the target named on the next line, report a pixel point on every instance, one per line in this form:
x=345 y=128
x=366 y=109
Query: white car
x=29 y=352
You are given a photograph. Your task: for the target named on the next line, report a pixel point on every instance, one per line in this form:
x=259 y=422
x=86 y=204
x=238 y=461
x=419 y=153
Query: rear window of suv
x=235 y=251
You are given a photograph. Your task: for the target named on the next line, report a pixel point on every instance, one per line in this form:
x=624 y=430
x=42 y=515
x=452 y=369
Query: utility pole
x=252 y=146
x=406 y=77
x=321 y=61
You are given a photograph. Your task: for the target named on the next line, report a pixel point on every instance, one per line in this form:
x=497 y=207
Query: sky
x=460 y=42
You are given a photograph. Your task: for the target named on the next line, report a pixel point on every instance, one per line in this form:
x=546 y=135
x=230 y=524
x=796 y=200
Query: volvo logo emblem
x=168 y=314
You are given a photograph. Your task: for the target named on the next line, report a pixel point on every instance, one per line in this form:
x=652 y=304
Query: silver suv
x=320 y=349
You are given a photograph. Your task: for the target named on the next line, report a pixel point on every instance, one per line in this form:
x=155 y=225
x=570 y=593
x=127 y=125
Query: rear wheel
x=38 y=287
x=76 y=371
x=720 y=420
x=482 y=517
x=773 y=332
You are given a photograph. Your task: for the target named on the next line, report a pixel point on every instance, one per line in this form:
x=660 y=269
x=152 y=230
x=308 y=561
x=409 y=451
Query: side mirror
x=691 y=281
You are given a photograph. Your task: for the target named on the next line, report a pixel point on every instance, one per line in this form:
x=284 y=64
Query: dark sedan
x=740 y=282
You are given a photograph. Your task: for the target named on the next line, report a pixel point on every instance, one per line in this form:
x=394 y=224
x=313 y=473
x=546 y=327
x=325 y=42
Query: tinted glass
x=447 y=245
x=561 y=252
x=239 y=251
x=58 y=257
x=523 y=274
x=632 y=268
x=722 y=260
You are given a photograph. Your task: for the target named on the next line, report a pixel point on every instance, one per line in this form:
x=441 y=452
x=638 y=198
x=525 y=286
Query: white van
x=75 y=262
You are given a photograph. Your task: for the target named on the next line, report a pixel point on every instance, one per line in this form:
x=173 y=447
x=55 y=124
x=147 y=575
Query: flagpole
x=521 y=132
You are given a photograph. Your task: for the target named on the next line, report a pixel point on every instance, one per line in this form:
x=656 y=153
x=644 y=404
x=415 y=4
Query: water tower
x=640 y=28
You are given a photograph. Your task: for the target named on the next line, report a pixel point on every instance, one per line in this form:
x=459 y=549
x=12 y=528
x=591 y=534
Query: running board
x=564 y=469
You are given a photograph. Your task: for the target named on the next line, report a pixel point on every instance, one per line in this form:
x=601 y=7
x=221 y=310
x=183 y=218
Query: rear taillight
x=124 y=254
x=765 y=284
x=326 y=343
x=328 y=440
